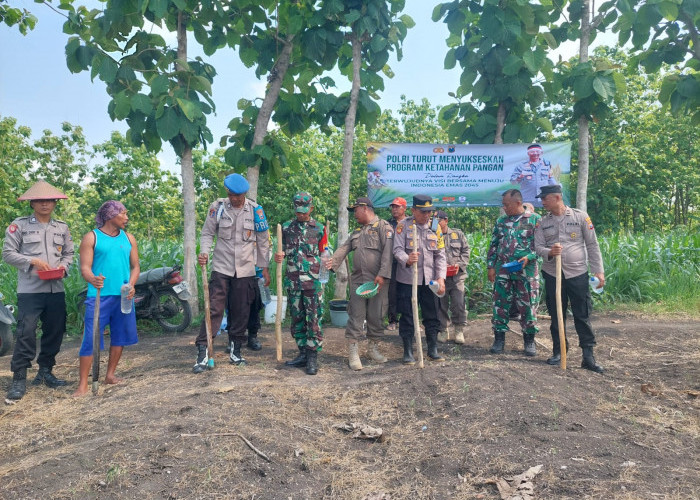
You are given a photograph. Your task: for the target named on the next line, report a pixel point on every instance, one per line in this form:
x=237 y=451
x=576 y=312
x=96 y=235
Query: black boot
x=46 y=377
x=589 y=361
x=19 y=385
x=529 y=345
x=311 y=362
x=300 y=360
x=499 y=343
x=556 y=353
x=202 y=362
x=235 y=357
x=253 y=342
x=408 y=358
x=433 y=354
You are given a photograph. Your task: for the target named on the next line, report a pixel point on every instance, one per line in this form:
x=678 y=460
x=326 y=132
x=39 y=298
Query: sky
x=38 y=90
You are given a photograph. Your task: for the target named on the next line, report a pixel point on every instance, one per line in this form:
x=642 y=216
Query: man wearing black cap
x=372 y=244
x=532 y=174
x=38 y=242
x=429 y=255
x=242 y=242
x=457 y=254
x=569 y=232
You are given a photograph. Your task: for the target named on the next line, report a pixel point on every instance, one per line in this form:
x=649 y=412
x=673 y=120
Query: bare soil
x=450 y=429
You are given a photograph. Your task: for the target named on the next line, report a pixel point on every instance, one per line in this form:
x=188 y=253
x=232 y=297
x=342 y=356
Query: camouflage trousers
x=306 y=310
x=524 y=294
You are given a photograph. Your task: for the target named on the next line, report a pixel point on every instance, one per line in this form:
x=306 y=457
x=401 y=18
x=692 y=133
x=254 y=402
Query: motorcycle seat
x=153 y=275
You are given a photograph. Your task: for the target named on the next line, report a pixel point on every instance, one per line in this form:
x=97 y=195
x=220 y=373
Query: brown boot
x=459 y=334
x=374 y=353
x=354 y=357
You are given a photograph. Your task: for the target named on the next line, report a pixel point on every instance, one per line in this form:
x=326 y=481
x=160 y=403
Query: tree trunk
x=187 y=170
x=273 y=91
x=500 y=123
x=341 y=279
x=582 y=187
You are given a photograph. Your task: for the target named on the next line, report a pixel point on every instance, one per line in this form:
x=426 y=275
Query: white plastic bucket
x=271 y=309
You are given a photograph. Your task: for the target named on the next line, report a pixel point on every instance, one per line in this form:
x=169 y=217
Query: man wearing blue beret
x=242 y=242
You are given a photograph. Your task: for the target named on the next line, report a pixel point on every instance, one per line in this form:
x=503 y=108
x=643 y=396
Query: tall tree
x=161 y=94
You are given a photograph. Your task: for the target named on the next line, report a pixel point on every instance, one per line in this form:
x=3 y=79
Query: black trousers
x=428 y=303
x=574 y=291
x=50 y=308
x=393 y=315
x=235 y=295
x=255 y=308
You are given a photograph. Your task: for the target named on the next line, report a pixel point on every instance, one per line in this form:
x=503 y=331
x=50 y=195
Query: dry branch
x=222 y=434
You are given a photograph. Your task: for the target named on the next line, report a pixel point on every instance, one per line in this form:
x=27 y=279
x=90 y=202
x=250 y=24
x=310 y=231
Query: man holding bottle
x=109 y=258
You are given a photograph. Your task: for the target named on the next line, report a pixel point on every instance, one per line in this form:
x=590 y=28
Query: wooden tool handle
x=207 y=312
x=96 y=345
x=278 y=314
x=560 y=315
x=414 y=305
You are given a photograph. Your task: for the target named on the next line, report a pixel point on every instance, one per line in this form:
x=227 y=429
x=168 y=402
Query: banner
x=465 y=175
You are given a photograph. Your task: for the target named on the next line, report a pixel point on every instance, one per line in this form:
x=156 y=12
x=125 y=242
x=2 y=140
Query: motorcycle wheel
x=173 y=314
x=5 y=338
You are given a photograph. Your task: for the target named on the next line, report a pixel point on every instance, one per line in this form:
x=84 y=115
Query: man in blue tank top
x=109 y=258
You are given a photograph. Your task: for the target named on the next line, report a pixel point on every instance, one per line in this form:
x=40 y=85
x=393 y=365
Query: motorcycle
x=161 y=295
x=7 y=319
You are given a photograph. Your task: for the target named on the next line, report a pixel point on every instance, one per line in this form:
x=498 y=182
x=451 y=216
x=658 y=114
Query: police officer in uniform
x=513 y=239
x=398 y=213
x=303 y=240
x=569 y=232
x=372 y=244
x=38 y=243
x=430 y=256
x=532 y=174
x=242 y=242
x=457 y=254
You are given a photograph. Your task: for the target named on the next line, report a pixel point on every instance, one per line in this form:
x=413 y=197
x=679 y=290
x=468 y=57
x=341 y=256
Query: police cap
x=545 y=190
x=423 y=203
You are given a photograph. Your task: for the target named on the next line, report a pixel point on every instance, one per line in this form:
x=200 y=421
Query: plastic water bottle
x=594 y=285
x=265 y=295
x=324 y=274
x=435 y=286
x=126 y=303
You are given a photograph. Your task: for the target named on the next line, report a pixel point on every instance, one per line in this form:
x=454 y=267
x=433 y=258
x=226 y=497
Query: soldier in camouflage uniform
x=303 y=240
x=514 y=239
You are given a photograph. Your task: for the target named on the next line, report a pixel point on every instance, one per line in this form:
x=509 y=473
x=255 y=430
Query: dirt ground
x=450 y=429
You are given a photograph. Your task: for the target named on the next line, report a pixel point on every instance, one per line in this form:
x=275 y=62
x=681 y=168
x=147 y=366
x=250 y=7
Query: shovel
x=96 y=345
x=278 y=314
x=207 y=318
x=414 y=305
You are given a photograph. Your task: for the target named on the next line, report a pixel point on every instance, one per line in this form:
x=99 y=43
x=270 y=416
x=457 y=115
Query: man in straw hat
x=109 y=258
x=372 y=243
x=38 y=242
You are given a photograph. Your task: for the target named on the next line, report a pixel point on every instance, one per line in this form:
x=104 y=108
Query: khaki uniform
x=456 y=253
x=432 y=263
x=38 y=300
x=372 y=245
x=574 y=230
x=239 y=246
x=26 y=239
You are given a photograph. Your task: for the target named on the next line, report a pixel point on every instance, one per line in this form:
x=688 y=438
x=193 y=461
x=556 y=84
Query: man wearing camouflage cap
x=242 y=242
x=303 y=240
x=35 y=243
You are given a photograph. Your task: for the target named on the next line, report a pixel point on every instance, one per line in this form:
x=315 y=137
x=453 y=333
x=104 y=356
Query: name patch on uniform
x=12 y=228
